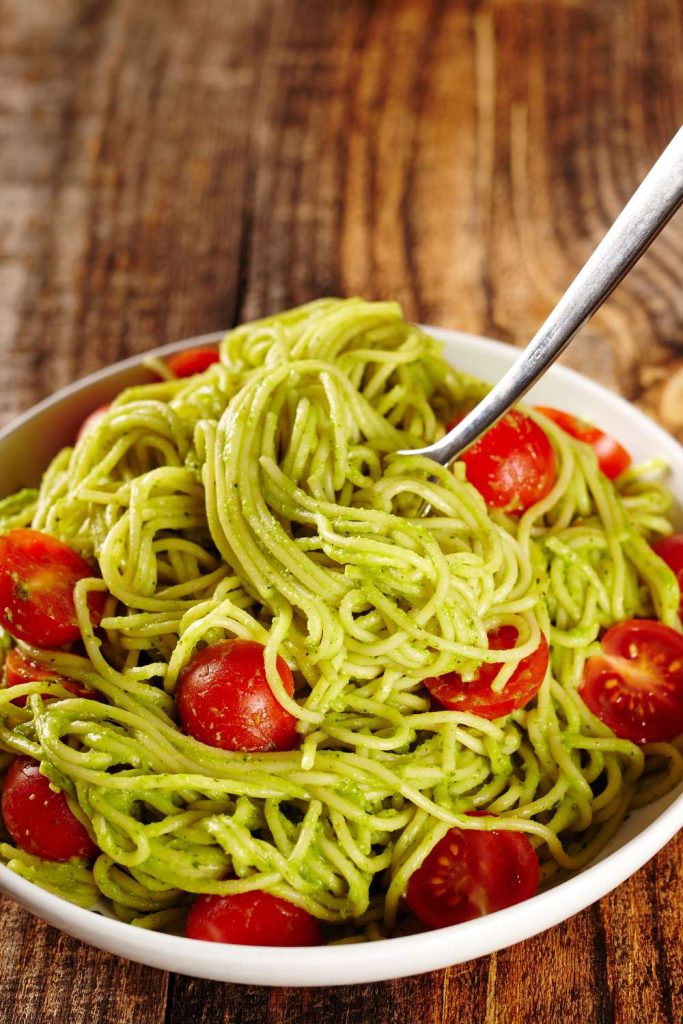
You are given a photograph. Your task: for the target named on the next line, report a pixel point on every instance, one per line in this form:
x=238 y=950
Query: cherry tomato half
x=670 y=550
x=18 y=669
x=40 y=820
x=224 y=699
x=92 y=420
x=470 y=873
x=477 y=696
x=613 y=459
x=38 y=574
x=512 y=465
x=252 y=919
x=635 y=685
x=193 y=360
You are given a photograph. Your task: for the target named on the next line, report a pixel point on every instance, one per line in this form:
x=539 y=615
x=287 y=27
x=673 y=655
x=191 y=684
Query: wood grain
x=48 y=978
x=173 y=167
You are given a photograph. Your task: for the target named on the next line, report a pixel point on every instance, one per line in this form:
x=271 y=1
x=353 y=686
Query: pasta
x=263 y=499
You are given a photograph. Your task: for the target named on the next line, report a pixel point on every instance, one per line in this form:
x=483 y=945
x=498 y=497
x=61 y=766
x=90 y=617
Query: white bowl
x=25 y=449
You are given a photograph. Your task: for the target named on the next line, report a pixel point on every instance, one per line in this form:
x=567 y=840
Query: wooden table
x=176 y=166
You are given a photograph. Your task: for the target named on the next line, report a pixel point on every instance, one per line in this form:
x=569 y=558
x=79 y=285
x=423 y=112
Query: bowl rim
x=389 y=958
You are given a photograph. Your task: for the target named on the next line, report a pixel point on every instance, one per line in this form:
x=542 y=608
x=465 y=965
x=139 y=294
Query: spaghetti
x=262 y=499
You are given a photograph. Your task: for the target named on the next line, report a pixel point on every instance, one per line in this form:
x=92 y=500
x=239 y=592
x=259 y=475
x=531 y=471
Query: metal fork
x=653 y=204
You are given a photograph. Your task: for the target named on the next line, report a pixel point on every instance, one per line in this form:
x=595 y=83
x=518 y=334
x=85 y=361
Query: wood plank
x=138 y=134
x=424 y=998
x=555 y=972
x=48 y=978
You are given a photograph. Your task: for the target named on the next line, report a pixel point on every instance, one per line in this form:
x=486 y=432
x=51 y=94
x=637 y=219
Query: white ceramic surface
x=25 y=448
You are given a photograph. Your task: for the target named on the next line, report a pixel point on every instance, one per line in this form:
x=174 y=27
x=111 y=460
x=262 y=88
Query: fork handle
x=653 y=204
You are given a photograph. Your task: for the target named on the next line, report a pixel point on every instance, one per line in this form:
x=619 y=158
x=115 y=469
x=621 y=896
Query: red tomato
x=38 y=574
x=613 y=459
x=635 y=686
x=193 y=360
x=18 y=669
x=38 y=819
x=92 y=420
x=469 y=874
x=512 y=465
x=670 y=550
x=477 y=696
x=252 y=919
x=224 y=699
